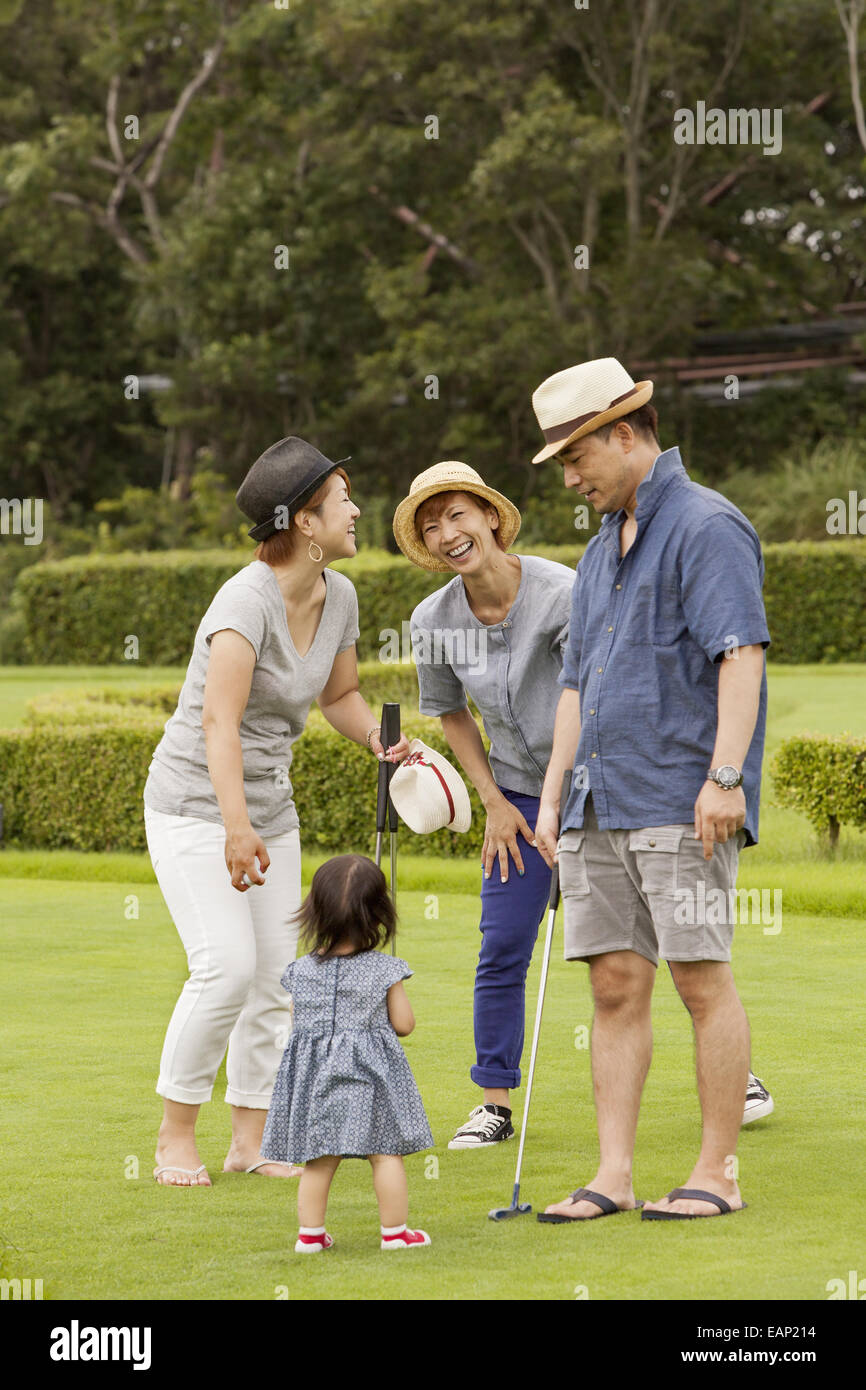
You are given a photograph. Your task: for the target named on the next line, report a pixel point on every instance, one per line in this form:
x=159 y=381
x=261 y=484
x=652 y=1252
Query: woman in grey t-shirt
x=219 y=811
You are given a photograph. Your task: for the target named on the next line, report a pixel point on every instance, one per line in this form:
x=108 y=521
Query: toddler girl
x=344 y=1088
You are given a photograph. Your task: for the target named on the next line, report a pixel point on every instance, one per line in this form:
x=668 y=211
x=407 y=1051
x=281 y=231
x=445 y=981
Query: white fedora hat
x=582 y=399
x=427 y=792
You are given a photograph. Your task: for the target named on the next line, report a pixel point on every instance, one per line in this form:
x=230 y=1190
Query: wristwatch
x=726 y=777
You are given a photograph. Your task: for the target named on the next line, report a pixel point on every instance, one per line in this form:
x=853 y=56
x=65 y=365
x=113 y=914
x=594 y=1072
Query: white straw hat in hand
x=428 y=793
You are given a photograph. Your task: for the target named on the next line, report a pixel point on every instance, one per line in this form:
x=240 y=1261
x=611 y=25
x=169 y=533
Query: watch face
x=728 y=776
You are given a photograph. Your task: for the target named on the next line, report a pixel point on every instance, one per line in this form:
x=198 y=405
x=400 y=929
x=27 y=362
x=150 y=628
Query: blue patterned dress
x=344 y=1086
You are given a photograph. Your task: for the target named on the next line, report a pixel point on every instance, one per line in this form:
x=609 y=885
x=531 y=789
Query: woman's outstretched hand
x=396 y=754
x=243 y=847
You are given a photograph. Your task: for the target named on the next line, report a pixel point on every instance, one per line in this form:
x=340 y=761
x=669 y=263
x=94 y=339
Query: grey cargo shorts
x=640 y=890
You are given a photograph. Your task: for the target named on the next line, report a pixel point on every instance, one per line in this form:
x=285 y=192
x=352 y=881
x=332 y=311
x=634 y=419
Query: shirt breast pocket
x=660 y=614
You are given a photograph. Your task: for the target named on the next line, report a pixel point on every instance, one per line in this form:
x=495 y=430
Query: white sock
x=311 y=1230
x=393 y=1230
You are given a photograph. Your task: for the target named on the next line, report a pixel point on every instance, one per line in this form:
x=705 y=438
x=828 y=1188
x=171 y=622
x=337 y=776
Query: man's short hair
x=644 y=421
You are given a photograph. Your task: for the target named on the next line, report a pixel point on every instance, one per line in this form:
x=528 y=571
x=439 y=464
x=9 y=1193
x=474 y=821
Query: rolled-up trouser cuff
x=178 y=1093
x=491 y=1078
x=249 y=1102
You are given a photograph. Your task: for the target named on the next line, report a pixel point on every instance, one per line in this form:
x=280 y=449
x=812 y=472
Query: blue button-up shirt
x=646 y=635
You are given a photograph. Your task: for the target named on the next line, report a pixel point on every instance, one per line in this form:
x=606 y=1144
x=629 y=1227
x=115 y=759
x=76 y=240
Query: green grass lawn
x=86 y=993
x=18 y=684
x=85 y=997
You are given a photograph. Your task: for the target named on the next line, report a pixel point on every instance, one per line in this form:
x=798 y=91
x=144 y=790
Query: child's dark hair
x=348 y=901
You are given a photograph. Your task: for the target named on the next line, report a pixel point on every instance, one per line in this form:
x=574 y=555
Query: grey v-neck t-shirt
x=283 y=687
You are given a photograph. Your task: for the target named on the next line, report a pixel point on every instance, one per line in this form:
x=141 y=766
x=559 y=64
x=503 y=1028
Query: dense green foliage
x=815 y=599
x=814 y=593
x=73 y=778
x=825 y=779
x=431 y=171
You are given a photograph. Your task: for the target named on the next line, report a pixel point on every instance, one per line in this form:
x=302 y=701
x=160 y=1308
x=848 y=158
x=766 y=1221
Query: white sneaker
x=405 y=1240
x=759 y=1102
x=483 y=1128
x=311 y=1245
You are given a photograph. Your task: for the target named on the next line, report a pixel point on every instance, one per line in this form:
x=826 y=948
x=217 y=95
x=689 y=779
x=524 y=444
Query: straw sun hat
x=581 y=399
x=451 y=476
x=427 y=792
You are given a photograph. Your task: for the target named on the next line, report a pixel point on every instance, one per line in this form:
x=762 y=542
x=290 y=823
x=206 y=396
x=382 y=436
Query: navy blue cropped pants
x=510 y=916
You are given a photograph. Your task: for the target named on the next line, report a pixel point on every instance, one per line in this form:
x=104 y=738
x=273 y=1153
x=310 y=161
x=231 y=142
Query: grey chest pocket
x=656 y=851
x=573 y=878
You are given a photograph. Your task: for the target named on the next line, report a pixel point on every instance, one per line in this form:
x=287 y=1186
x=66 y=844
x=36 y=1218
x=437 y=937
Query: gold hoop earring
x=315 y=558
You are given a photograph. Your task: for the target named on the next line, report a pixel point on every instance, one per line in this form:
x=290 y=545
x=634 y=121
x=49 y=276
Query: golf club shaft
x=548 y=941
x=545 y=962
x=389 y=732
x=389 y=735
x=394 y=885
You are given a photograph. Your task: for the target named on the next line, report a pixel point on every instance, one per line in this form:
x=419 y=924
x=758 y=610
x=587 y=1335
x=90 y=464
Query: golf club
x=517 y=1207
x=389 y=734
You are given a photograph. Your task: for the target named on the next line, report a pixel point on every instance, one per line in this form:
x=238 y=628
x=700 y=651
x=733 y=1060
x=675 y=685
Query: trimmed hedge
x=81 y=610
x=815 y=598
x=825 y=779
x=69 y=784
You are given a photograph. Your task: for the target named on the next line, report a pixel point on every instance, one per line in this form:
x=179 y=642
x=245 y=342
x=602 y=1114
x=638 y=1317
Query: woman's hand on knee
x=243 y=847
x=504 y=824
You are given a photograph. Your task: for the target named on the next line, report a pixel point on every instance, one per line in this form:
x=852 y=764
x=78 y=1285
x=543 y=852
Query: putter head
x=503 y=1213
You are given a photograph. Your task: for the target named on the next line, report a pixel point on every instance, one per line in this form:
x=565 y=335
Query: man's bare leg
x=622 y=984
x=722 y=1045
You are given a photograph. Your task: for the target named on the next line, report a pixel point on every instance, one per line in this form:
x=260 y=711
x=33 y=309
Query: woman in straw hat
x=495 y=633
x=219 y=812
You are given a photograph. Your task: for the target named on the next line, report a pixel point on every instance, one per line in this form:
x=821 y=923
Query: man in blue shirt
x=661 y=719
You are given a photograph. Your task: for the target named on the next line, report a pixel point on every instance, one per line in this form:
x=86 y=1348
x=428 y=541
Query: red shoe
x=308 y=1245
x=404 y=1239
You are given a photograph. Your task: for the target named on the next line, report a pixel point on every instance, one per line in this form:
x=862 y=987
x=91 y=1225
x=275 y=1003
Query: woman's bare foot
x=180 y=1159
x=176 y=1149
x=248 y=1126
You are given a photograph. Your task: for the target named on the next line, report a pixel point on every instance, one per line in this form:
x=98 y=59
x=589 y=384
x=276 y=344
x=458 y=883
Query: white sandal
x=263 y=1161
x=173 y=1168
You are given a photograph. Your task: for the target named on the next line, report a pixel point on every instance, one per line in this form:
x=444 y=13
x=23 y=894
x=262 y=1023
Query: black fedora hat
x=280 y=481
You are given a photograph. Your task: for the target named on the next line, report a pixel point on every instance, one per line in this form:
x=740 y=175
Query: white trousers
x=237 y=946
